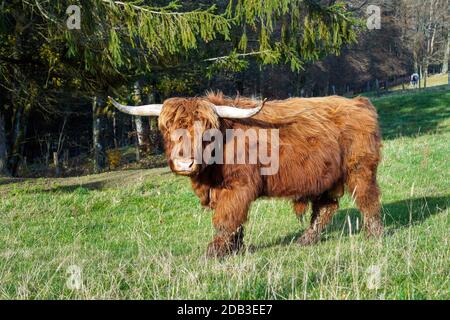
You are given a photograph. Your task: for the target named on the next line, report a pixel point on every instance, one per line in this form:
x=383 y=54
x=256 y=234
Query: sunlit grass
x=432 y=81
x=142 y=233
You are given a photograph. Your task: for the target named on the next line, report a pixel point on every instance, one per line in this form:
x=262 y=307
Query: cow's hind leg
x=323 y=209
x=362 y=183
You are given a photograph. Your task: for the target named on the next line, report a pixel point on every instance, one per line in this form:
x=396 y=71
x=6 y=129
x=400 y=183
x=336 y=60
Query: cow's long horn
x=146 y=110
x=237 y=113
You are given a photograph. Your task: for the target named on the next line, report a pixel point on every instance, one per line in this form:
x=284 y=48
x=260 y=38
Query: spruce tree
x=45 y=65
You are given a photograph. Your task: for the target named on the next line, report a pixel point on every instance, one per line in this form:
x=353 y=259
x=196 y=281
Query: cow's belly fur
x=306 y=174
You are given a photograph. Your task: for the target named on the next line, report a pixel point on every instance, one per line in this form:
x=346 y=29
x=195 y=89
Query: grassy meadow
x=432 y=81
x=142 y=234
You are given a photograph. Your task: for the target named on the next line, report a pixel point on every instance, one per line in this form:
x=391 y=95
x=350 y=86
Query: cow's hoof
x=308 y=238
x=374 y=229
x=224 y=245
x=218 y=248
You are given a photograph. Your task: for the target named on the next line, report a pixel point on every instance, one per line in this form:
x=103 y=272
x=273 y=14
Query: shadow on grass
x=97 y=185
x=396 y=215
x=99 y=182
x=7 y=180
x=55 y=188
x=412 y=114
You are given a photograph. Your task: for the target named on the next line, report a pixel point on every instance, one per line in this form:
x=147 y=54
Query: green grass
x=434 y=83
x=142 y=233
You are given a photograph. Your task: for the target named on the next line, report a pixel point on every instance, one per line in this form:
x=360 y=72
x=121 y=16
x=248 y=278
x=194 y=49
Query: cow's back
x=319 y=140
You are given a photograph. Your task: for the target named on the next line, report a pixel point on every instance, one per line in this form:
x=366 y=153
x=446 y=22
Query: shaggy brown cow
x=324 y=145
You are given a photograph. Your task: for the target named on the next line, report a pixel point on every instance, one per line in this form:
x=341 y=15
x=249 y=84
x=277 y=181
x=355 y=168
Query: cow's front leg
x=229 y=216
x=203 y=192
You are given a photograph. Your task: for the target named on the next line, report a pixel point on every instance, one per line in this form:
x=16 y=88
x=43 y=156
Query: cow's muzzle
x=185 y=167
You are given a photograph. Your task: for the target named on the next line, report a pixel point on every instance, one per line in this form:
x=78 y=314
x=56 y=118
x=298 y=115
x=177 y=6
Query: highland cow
x=325 y=145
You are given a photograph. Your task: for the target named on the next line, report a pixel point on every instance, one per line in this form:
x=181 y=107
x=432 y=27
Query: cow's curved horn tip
x=263 y=102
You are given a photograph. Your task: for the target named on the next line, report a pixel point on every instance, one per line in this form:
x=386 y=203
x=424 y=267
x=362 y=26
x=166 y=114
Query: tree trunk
x=139 y=133
x=116 y=144
x=18 y=135
x=377 y=87
x=420 y=77
x=20 y=110
x=142 y=135
x=66 y=159
x=326 y=87
x=447 y=51
x=48 y=149
x=3 y=154
x=155 y=139
x=446 y=58
x=56 y=164
x=425 y=74
x=96 y=135
x=297 y=86
x=416 y=63
x=136 y=143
